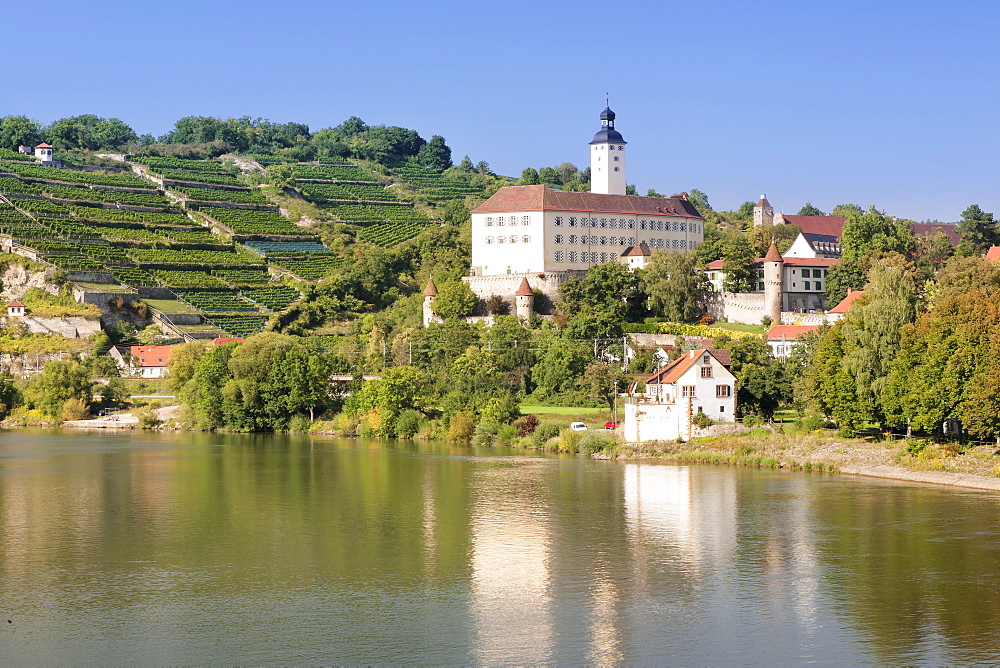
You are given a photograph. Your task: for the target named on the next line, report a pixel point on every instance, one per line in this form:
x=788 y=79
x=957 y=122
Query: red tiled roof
x=43 y=145
x=670 y=373
x=993 y=253
x=830 y=225
x=152 y=355
x=789 y=332
x=223 y=340
x=544 y=198
x=846 y=303
x=15 y=304
x=524 y=290
x=642 y=250
x=930 y=229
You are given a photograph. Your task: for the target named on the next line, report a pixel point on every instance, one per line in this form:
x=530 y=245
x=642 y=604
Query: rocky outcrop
x=16 y=279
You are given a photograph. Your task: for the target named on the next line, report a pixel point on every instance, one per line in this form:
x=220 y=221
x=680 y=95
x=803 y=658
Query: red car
x=611 y=425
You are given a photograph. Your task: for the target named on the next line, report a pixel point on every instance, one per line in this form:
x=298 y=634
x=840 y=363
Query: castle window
x=604 y=222
x=631 y=224
x=617 y=169
x=572 y=238
x=572 y=221
x=584 y=222
x=501 y=240
x=513 y=238
x=621 y=241
x=604 y=257
x=559 y=256
x=642 y=224
x=616 y=160
x=604 y=241
x=684 y=244
x=500 y=221
x=489 y=240
x=594 y=257
x=489 y=221
x=682 y=227
x=558 y=221
x=526 y=239
x=572 y=256
x=613 y=223
x=559 y=238
x=631 y=241
x=526 y=220
x=621 y=148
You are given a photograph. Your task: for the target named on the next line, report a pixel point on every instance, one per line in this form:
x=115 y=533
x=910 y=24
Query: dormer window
x=706 y=359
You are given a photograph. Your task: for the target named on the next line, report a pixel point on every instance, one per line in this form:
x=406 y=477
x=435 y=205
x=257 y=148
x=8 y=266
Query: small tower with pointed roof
x=773 y=269
x=43 y=153
x=763 y=213
x=607 y=158
x=524 y=301
x=430 y=294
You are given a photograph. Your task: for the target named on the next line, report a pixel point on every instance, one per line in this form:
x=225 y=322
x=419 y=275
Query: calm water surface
x=207 y=549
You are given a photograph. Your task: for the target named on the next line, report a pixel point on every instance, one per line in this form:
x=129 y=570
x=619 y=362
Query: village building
x=546 y=235
x=697 y=382
x=151 y=361
x=993 y=254
x=15 y=309
x=845 y=304
x=784 y=339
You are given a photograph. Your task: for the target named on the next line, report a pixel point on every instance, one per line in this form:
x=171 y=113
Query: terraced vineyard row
x=390 y=234
x=198 y=177
x=335 y=173
x=126 y=215
x=249 y=222
x=42 y=189
x=242 y=326
x=374 y=213
x=242 y=276
x=158 y=163
x=7 y=154
x=275 y=298
x=187 y=279
x=120 y=179
x=348 y=191
x=161 y=256
x=237 y=196
x=218 y=301
x=310 y=268
x=285 y=247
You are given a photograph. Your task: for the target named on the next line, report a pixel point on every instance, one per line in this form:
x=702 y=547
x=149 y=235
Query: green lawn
x=737 y=327
x=170 y=306
x=562 y=410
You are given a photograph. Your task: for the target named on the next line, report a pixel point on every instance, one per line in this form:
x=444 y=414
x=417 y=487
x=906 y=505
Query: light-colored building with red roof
x=15 y=309
x=783 y=339
x=845 y=304
x=803 y=283
x=150 y=361
x=993 y=254
x=697 y=382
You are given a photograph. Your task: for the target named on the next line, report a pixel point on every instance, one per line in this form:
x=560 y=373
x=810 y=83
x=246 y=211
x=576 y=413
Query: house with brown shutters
x=697 y=382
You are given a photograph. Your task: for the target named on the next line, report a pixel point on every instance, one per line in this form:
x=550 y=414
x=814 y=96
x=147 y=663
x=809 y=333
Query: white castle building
x=546 y=235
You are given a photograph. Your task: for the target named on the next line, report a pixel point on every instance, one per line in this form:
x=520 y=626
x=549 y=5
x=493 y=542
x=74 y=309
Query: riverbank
x=911 y=461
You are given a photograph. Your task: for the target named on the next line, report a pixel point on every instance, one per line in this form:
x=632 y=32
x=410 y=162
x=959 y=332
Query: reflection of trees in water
x=913 y=568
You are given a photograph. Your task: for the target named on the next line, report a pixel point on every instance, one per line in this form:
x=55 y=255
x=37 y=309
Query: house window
x=706 y=372
x=687 y=391
x=806 y=283
x=722 y=409
x=819 y=286
x=706 y=359
x=723 y=391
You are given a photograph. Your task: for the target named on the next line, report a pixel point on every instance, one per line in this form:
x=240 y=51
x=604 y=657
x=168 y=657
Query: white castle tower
x=763 y=213
x=607 y=158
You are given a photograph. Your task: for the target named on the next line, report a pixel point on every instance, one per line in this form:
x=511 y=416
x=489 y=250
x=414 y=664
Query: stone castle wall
x=747 y=308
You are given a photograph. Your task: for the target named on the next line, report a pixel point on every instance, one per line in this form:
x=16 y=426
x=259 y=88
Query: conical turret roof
x=431 y=289
x=524 y=290
x=773 y=255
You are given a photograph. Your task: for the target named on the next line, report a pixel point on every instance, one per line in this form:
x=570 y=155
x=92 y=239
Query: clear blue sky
x=887 y=103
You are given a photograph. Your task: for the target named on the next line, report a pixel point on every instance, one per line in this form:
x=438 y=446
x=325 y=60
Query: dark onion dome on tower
x=607 y=133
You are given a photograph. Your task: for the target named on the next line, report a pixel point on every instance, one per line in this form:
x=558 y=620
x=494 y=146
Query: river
x=179 y=548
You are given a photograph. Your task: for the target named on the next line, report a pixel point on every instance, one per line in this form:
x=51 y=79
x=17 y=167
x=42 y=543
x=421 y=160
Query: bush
x=596 y=441
x=74 y=409
x=462 y=427
x=507 y=434
x=526 y=425
x=486 y=433
x=569 y=440
x=543 y=432
x=299 y=424
x=148 y=419
x=701 y=420
x=408 y=424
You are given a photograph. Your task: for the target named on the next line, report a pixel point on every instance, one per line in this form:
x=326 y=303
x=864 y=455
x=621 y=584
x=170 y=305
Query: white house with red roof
x=697 y=382
x=803 y=280
x=15 y=309
x=784 y=339
x=845 y=304
x=151 y=361
x=528 y=231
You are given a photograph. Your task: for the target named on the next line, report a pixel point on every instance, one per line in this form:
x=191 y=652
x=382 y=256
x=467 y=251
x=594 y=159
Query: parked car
x=577 y=426
x=612 y=425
